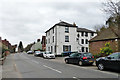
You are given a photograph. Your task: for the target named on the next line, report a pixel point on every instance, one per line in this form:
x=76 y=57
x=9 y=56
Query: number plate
x=90 y=61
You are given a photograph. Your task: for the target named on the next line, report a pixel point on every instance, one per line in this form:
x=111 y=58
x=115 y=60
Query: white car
x=48 y=55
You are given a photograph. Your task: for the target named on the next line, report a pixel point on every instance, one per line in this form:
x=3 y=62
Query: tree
x=29 y=47
x=99 y=28
x=20 y=47
x=113 y=9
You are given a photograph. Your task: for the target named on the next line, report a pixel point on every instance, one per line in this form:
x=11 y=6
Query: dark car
x=67 y=53
x=38 y=53
x=80 y=58
x=110 y=62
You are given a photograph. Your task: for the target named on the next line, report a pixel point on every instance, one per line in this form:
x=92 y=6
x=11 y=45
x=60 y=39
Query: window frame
x=82 y=41
x=66 y=29
x=66 y=38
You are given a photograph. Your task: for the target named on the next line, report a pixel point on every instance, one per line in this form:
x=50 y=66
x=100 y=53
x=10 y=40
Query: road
x=28 y=66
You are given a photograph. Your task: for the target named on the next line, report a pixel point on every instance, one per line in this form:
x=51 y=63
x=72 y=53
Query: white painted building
x=63 y=37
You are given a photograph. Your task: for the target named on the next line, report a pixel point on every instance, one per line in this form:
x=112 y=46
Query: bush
x=106 y=50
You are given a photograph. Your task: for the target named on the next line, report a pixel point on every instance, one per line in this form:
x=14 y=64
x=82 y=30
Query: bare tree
x=99 y=28
x=112 y=7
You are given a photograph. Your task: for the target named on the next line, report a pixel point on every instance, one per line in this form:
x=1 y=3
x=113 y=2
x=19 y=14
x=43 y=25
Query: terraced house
x=64 y=37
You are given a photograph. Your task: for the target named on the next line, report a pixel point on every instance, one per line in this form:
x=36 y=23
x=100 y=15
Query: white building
x=64 y=37
x=37 y=46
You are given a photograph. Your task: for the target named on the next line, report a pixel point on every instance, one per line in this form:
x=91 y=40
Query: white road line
x=76 y=78
x=35 y=62
x=52 y=69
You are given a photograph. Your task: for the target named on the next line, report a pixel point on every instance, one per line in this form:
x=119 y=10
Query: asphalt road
x=28 y=66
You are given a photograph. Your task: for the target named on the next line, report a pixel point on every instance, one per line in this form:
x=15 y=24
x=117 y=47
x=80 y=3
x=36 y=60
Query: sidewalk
x=58 y=59
x=9 y=69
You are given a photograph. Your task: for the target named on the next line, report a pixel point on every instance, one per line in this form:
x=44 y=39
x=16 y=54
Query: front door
x=51 y=49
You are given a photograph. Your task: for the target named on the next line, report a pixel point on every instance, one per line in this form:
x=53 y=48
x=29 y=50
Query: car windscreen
x=37 y=51
x=87 y=55
x=73 y=55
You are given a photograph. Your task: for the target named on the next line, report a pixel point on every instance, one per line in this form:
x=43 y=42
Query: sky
x=27 y=20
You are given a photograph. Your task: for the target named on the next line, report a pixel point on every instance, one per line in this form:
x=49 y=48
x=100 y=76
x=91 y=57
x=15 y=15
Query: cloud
x=27 y=20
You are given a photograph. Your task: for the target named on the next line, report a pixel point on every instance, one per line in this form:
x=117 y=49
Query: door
x=72 y=57
x=51 y=49
x=77 y=58
x=112 y=61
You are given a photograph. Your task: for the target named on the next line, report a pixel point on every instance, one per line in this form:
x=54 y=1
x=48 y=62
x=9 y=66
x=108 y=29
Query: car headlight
x=98 y=59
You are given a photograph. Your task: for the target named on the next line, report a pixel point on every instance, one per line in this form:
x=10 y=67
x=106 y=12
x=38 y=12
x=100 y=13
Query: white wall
x=60 y=32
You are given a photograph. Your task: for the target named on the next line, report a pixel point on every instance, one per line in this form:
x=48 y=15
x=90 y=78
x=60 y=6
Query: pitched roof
x=107 y=34
x=84 y=30
x=62 y=23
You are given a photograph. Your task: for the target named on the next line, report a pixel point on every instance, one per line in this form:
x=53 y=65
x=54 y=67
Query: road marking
x=52 y=69
x=35 y=62
x=76 y=78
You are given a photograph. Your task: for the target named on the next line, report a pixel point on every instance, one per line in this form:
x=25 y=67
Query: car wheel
x=80 y=63
x=66 y=61
x=101 y=66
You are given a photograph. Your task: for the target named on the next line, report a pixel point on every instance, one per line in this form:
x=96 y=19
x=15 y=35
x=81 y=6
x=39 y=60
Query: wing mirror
x=109 y=57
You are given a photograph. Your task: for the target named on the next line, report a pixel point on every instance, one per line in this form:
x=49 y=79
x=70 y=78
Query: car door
x=77 y=58
x=112 y=61
x=72 y=57
x=115 y=61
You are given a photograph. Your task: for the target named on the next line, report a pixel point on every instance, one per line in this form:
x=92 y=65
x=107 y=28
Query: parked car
x=67 y=53
x=110 y=62
x=37 y=53
x=80 y=58
x=30 y=52
x=48 y=54
x=41 y=54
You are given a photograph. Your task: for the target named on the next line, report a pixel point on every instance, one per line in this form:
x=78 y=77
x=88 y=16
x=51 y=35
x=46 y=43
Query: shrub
x=106 y=50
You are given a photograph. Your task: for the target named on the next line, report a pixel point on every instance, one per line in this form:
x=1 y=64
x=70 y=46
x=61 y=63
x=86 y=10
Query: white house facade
x=63 y=37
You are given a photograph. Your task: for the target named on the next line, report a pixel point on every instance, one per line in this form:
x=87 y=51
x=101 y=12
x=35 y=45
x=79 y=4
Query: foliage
x=28 y=48
x=106 y=50
x=3 y=50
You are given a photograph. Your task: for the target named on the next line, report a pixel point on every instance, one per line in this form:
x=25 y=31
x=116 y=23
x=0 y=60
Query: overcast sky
x=27 y=20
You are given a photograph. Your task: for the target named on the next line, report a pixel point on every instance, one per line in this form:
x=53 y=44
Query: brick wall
x=95 y=46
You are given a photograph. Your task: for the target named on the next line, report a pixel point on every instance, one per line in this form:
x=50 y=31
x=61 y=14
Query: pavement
x=28 y=66
x=9 y=69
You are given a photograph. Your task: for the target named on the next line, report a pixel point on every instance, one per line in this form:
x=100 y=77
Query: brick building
x=43 y=42
x=111 y=35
